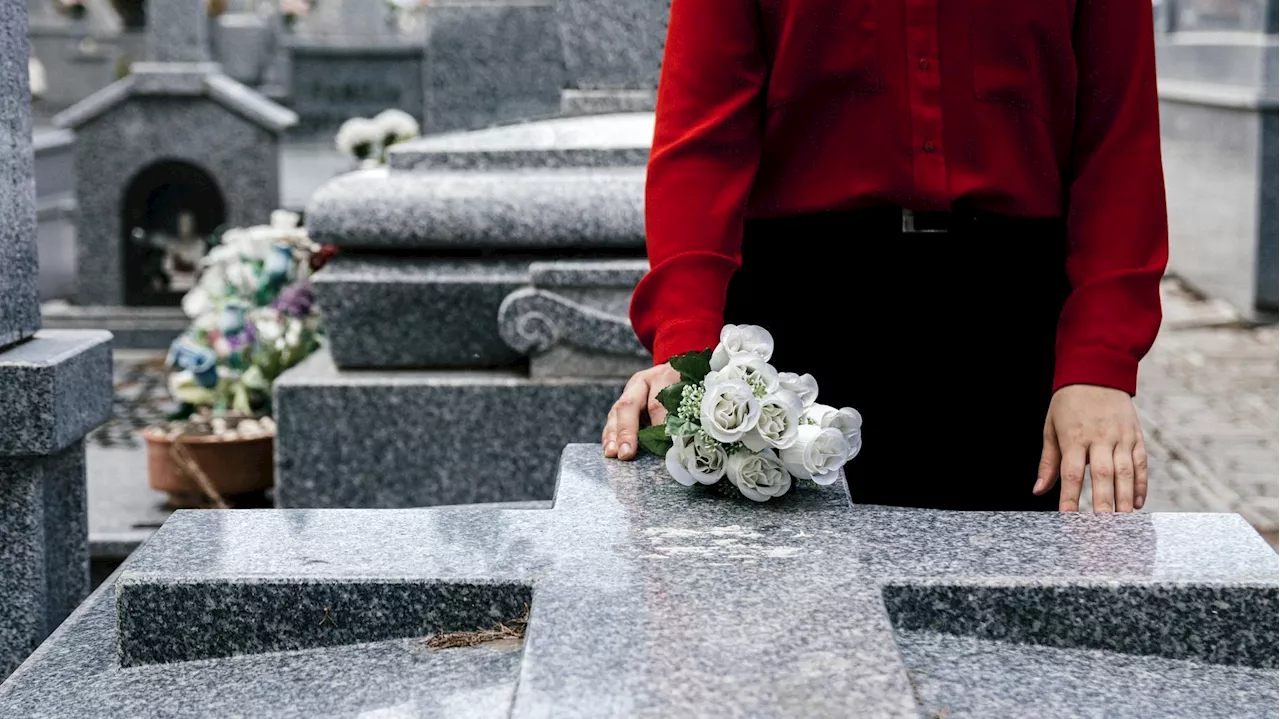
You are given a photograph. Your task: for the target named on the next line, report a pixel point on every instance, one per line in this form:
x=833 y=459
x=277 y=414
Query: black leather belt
x=915 y=222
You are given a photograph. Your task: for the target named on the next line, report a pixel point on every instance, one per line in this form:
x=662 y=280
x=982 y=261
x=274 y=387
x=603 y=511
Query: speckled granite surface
x=54 y=388
x=19 y=275
x=420 y=438
x=453 y=304
x=649 y=599
x=523 y=210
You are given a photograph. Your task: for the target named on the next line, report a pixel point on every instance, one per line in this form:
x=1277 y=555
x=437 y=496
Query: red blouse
x=1037 y=108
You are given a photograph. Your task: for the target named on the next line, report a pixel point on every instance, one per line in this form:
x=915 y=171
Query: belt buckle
x=909 y=224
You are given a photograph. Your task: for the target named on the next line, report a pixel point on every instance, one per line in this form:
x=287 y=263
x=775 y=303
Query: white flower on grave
x=396 y=126
x=293 y=334
x=760 y=476
x=267 y=327
x=779 y=422
x=359 y=138
x=243 y=278
x=818 y=454
x=696 y=458
x=39 y=79
x=729 y=410
x=757 y=373
x=750 y=341
x=196 y=302
x=804 y=385
x=846 y=420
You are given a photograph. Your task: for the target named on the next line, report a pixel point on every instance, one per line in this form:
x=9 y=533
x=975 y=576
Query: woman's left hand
x=1097 y=426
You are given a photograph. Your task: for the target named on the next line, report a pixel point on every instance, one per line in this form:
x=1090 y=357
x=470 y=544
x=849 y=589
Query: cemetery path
x=1207 y=394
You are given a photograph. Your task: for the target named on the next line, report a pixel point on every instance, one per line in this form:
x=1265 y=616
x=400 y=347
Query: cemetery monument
x=647 y=599
x=1218 y=78
x=164 y=158
x=55 y=386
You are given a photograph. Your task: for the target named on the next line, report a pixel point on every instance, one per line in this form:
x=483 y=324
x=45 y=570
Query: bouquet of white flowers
x=733 y=418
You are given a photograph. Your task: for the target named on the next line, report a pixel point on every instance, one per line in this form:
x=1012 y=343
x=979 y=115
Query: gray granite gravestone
x=456 y=373
x=348 y=59
x=164 y=158
x=648 y=599
x=54 y=388
x=1218 y=103
x=613 y=53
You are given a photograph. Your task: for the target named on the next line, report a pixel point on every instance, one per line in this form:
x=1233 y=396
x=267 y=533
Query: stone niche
x=163 y=159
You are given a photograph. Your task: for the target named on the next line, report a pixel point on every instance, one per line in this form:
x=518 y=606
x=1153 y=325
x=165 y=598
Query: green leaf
x=654 y=440
x=670 y=396
x=692 y=366
x=679 y=427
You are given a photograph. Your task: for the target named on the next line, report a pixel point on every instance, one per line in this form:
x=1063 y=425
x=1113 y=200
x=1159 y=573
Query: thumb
x=1050 y=461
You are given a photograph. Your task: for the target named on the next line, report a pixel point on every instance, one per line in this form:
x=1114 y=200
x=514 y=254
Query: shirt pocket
x=1021 y=54
x=821 y=49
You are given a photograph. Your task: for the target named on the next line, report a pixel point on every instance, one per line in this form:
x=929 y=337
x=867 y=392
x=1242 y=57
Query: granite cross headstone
x=178 y=31
x=54 y=387
x=651 y=599
x=19 y=275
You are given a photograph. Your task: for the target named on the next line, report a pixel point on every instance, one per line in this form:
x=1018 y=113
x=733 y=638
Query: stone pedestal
x=54 y=388
x=1218 y=129
x=469 y=337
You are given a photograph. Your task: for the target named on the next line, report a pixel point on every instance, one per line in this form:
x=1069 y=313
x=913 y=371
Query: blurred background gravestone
x=54 y=388
x=164 y=158
x=1216 y=61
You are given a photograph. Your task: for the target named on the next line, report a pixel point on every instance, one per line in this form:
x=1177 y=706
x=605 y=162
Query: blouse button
x=929 y=147
x=924 y=64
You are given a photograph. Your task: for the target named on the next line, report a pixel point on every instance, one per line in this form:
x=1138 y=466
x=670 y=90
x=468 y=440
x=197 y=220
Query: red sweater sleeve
x=706 y=148
x=1117 y=229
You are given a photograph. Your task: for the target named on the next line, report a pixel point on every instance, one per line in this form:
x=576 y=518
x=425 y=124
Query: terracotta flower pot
x=234 y=467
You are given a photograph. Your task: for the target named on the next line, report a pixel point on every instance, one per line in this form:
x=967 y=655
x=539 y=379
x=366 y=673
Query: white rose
x=284 y=220
x=754 y=371
x=694 y=459
x=847 y=420
x=196 y=302
x=759 y=475
x=779 y=421
x=817 y=454
x=739 y=340
x=358 y=138
x=396 y=125
x=267 y=329
x=804 y=385
x=729 y=410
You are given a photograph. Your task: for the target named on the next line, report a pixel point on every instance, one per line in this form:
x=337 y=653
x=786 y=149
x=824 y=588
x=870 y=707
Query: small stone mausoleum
x=164 y=158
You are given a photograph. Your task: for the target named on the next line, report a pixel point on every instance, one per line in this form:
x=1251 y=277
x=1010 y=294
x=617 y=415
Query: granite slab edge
x=54 y=388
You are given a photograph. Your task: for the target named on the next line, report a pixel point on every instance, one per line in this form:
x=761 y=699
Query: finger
x=1139 y=475
x=628 y=407
x=657 y=413
x=609 y=438
x=1122 y=461
x=1102 y=470
x=1050 y=460
x=1071 y=474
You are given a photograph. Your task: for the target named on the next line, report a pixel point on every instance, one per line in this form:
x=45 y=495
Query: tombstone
x=1217 y=73
x=461 y=316
x=349 y=59
x=79 y=55
x=164 y=158
x=613 y=54
x=646 y=598
x=54 y=388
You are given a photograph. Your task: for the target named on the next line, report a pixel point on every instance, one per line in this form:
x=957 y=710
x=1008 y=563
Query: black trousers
x=944 y=342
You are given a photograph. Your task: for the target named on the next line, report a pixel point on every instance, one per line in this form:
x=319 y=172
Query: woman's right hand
x=639 y=397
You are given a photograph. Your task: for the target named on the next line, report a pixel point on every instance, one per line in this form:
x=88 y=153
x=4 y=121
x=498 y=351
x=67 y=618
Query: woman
x=951 y=213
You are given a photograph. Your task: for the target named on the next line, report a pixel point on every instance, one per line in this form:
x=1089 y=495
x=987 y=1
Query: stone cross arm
x=650 y=599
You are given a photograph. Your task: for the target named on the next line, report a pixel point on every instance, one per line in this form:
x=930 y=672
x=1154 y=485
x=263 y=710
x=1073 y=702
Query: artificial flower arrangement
x=253 y=316
x=736 y=422
x=367 y=140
